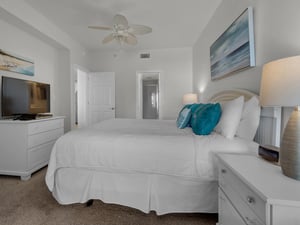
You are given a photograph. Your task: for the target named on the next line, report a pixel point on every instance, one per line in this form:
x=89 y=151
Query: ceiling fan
x=122 y=31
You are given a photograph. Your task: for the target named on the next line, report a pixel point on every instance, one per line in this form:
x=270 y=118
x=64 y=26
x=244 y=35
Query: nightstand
x=253 y=191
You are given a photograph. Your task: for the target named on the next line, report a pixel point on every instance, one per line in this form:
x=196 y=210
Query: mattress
x=148 y=155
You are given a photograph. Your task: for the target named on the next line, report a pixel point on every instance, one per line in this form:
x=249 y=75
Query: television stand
x=26 y=145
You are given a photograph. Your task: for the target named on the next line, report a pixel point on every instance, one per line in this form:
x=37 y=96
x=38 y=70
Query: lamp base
x=290 y=147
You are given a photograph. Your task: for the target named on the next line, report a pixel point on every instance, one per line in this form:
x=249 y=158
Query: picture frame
x=234 y=49
x=14 y=63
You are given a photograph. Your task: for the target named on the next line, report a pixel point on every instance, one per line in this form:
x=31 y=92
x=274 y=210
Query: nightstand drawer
x=248 y=175
x=229 y=214
x=244 y=210
x=250 y=205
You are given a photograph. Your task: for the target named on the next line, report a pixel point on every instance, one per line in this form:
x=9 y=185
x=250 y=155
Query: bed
x=150 y=165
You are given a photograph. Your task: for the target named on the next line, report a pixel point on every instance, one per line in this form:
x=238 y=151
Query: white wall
x=175 y=66
x=277 y=35
x=51 y=65
x=28 y=33
x=16 y=41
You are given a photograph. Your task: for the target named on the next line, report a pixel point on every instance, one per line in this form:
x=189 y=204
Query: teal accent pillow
x=192 y=108
x=185 y=107
x=183 y=118
x=205 y=118
x=195 y=106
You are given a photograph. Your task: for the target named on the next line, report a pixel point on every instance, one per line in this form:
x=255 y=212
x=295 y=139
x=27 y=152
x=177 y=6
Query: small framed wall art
x=13 y=63
x=234 y=49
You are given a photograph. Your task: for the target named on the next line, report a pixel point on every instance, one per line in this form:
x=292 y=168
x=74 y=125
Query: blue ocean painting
x=13 y=63
x=232 y=50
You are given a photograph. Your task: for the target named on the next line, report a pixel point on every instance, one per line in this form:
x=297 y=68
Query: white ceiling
x=175 y=23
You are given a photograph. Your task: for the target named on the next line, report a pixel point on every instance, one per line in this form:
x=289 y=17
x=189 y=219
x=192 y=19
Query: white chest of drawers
x=25 y=146
x=255 y=192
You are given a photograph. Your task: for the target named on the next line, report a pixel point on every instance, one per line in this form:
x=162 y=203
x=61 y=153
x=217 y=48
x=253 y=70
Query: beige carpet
x=30 y=203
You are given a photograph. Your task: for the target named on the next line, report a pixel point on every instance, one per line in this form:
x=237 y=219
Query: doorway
x=81 y=95
x=94 y=97
x=148 y=95
x=150 y=98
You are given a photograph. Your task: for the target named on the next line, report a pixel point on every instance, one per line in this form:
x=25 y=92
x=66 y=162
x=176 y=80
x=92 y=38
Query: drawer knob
x=223 y=171
x=250 y=200
x=250 y=221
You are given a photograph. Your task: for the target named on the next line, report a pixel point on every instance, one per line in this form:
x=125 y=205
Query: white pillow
x=231 y=116
x=249 y=120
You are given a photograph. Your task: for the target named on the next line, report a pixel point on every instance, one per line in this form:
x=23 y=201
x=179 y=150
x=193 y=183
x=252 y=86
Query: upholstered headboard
x=228 y=95
x=268 y=132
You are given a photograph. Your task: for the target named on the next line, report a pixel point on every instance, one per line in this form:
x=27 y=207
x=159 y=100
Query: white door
x=101 y=96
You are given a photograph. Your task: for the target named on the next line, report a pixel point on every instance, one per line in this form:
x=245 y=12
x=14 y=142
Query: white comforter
x=141 y=146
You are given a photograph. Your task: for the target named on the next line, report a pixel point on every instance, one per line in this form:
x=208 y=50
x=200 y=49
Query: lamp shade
x=280 y=86
x=280 y=83
x=190 y=98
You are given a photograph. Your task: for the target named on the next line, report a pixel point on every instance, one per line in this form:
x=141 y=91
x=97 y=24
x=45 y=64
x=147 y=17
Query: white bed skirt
x=146 y=192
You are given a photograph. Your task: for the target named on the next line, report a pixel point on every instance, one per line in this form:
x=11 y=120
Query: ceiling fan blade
x=100 y=27
x=130 y=39
x=108 y=38
x=120 y=20
x=139 y=29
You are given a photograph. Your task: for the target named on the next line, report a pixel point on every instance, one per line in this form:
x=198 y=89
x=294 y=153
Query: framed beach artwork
x=14 y=63
x=234 y=49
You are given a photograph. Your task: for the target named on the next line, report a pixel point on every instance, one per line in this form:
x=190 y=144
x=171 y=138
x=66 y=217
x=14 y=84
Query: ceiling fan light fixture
x=122 y=32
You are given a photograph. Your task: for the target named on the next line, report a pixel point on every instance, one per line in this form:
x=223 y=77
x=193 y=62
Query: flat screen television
x=24 y=99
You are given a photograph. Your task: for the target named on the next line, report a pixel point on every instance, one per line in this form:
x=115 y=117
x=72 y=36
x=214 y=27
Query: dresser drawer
x=42 y=138
x=40 y=155
x=42 y=126
x=250 y=205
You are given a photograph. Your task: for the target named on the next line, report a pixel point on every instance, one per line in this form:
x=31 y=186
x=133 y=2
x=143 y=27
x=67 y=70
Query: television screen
x=21 y=97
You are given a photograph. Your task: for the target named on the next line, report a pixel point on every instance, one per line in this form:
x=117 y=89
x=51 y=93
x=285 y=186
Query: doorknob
x=113 y=108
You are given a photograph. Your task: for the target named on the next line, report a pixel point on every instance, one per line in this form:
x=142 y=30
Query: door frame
x=139 y=91
x=76 y=67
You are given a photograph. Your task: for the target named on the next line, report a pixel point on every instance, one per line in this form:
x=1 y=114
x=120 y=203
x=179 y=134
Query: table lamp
x=189 y=98
x=280 y=86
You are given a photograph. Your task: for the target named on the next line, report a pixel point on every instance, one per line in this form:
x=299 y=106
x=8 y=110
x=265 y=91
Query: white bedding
x=141 y=146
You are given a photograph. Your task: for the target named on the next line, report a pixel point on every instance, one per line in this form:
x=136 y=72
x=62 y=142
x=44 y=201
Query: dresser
x=25 y=146
x=255 y=192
